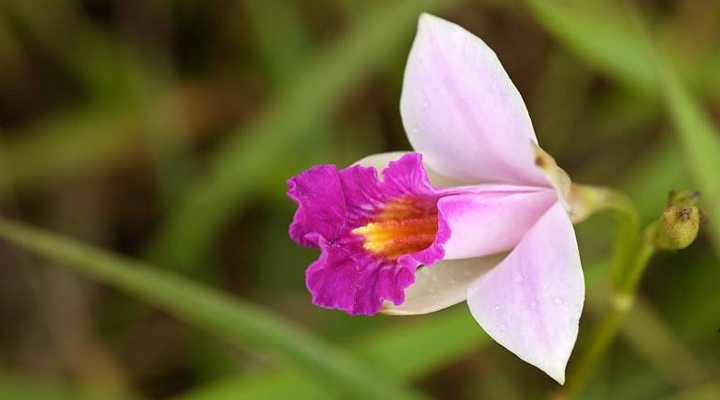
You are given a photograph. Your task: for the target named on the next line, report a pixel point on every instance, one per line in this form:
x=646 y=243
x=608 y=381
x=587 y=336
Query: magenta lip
x=331 y=204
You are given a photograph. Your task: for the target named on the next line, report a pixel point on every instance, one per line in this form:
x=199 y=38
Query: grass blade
x=229 y=319
x=601 y=36
x=400 y=351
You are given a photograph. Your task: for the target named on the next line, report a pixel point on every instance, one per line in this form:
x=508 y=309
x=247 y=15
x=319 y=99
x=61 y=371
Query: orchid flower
x=478 y=213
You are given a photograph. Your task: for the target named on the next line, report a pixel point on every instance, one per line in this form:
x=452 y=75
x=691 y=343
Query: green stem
x=630 y=257
x=643 y=252
x=628 y=228
x=676 y=229
x=604 y=334
x=587 y=200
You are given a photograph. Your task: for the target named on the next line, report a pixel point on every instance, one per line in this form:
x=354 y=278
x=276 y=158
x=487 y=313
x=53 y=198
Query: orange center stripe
x=403 y=227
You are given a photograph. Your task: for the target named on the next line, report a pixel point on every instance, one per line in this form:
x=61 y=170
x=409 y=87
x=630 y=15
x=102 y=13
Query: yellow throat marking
x=404 y=226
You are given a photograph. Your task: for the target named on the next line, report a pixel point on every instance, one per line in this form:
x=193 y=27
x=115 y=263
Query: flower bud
x=680 y=226
x=680 y=221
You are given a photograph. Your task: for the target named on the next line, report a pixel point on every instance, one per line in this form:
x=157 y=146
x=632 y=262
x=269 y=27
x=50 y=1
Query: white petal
x=381 y=160
x=462 y=111
x=441 y=285
x=531 y=302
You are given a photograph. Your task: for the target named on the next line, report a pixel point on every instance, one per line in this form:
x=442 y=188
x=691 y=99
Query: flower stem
x=633 y=252
x=625 y=259
x=587 y=200
x=620 y=303
x=604 y=335
x=633 y=271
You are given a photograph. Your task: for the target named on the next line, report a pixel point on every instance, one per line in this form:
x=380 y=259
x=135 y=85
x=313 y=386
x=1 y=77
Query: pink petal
x=480 y=220
x=441 y=285
x=479 y=225
x=532 y=301
x=487 y=222
x=461 y=110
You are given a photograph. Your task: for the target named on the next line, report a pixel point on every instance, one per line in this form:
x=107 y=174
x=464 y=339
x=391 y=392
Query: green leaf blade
x=234 y=321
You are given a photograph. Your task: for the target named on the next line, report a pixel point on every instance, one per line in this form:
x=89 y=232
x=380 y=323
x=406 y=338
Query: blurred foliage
x=165 y=130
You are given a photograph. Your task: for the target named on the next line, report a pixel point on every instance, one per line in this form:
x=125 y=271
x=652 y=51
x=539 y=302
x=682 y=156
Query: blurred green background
x=164 y=131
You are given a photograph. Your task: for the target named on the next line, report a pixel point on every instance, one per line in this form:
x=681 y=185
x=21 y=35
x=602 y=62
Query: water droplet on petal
x=425 y=103
x=503 y=327
x=519 y=278
x=546 y=287
x=497 y=307
x=557 y=300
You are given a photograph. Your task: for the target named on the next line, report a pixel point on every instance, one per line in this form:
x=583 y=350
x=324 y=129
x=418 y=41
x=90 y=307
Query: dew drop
x=425 y=104
x=519 y=278
x=546 y=287
x=497 y=307
x=503 y=327
x=557 y=300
